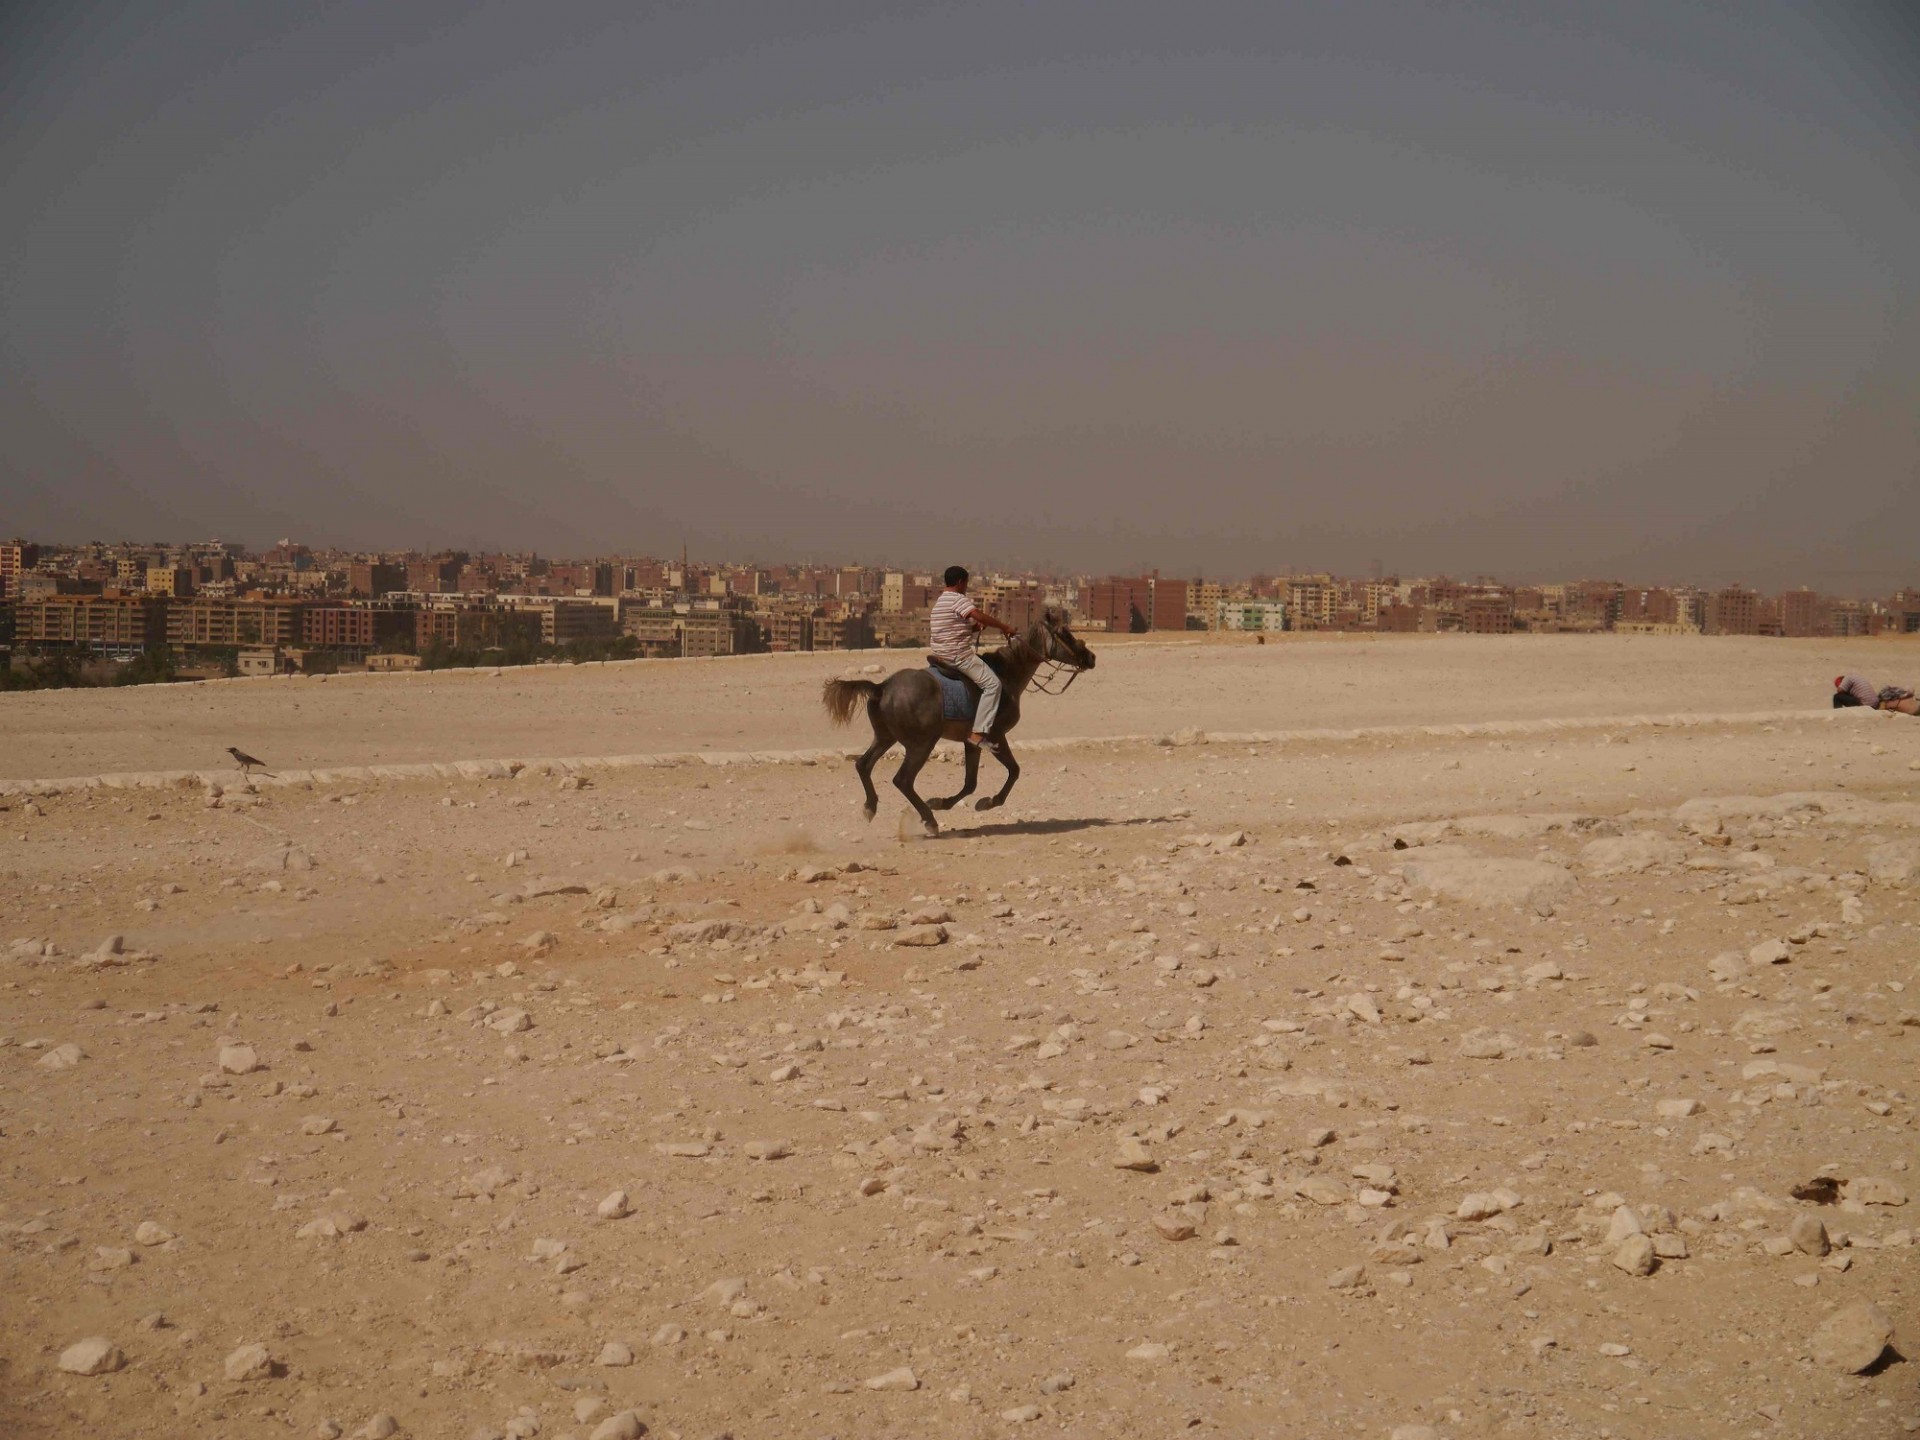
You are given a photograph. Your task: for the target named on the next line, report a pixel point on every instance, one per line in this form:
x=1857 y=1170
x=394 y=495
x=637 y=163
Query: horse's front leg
x=1003 y=752
x=967 y=787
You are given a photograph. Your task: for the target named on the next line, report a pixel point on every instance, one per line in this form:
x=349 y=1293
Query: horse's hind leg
x=1003 y=752
x=972 y=780
x=882 y=742
x=917 y=752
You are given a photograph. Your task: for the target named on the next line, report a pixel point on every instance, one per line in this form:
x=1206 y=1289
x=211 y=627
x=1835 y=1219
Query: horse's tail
x=842 y=697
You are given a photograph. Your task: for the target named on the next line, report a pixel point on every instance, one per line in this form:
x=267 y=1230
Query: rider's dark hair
x=956 y=575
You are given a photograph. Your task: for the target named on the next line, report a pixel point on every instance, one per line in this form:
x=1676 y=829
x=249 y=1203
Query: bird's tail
x=841 y=697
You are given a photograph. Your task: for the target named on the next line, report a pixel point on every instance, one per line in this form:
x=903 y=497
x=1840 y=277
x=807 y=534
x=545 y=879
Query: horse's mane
x=997 y=659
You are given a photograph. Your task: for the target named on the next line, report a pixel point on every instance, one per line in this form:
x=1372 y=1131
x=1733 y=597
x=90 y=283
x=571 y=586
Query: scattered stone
x=1133 y=1154
x=614 y=1353
x=150 y=1233
x=1852 y=1339
x=239 y=1060
x=901 y=1379
x=614 y=1207
x=1874 y=1190
x=61 y=1057
x=921 y=935
x=96 y=1355
x=1809 y=1235
x=249 y=1362
x=1635 y=1255
x=622 y=1425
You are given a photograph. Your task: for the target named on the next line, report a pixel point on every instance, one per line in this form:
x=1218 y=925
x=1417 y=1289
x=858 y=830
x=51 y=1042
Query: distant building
x=16 y=558
x=1734 y=610
x=370 y=579
x=98 y=622
x=222 y=624
x=169 y=580
x=1250 y=614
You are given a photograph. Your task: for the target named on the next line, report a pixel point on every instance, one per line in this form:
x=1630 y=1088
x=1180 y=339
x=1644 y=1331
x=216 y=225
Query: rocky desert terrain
x=1420 y=1040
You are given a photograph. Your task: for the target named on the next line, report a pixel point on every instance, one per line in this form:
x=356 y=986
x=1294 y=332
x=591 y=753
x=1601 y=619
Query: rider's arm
x=981 y=620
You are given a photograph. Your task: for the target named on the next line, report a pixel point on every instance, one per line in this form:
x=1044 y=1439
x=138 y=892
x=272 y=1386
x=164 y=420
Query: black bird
x=246 y=761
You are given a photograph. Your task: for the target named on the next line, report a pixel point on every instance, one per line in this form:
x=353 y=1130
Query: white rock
x=1630 y=854
x=151 y=1233
x=96 y=1355
x=61 y=1057
x=249 y=1362
x=1635 y=1255
x=901 y=1379
x=614 y=1207
x=622 y=1425
x=1875 y=1190
x=1151 y=1351
x=239 y=1059
x=1852 y=1339
x=1133 y=1154
x=1528 y=884
x=615 y=1352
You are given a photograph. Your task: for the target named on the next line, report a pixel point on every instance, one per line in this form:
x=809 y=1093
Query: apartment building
x=233 y=623
x=99 y=622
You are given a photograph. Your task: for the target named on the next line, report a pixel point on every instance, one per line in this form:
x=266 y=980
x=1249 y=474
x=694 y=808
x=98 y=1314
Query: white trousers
x=981 y=673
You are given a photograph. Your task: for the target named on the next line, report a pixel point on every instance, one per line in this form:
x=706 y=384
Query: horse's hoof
x=867 y=812
x=987 y=804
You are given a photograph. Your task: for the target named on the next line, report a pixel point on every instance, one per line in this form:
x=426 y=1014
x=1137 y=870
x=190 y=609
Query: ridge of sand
x=503 y=768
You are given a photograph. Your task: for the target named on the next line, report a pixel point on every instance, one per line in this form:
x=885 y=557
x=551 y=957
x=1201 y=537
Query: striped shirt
x=1862 y=690
x=951 y=634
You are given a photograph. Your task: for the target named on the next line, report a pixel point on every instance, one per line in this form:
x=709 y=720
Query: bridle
x=1053 y=669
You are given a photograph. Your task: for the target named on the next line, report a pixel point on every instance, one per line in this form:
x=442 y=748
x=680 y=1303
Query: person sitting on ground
x=955 y=622
x=1851 y=690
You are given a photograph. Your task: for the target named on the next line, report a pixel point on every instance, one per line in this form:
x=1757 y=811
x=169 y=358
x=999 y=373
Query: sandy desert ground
x=1418 y=1038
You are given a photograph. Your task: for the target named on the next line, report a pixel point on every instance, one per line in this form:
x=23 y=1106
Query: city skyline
x=1462 y=289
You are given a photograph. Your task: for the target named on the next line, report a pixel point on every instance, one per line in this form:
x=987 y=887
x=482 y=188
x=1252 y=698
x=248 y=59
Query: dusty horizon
x=1451 y=290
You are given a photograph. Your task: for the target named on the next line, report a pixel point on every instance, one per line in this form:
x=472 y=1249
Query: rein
x=1047 y=671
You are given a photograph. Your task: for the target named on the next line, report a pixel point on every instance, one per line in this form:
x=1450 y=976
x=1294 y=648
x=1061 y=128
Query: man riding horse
x=911 y=708
x=956 y=624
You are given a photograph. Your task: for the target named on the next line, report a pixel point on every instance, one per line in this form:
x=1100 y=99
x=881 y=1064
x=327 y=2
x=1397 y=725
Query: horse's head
x=1058 y=643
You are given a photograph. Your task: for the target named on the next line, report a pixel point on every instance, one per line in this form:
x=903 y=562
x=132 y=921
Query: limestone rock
x=1532 y=885
x=249 y=1362
x=96 y=1355
x=1635 y=1255
x=61 y=1057
x=901 y=1379
x=1808 y=1234
x=1134 y=1155
x=1853 y=1338
x=1875 y=1190
x=1630 y=854
x=621 y=1425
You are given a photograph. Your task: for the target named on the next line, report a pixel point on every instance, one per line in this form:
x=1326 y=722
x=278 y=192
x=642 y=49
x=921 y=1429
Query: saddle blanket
x=957 y=700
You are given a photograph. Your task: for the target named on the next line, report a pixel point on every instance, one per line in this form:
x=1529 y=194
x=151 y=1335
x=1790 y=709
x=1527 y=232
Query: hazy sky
x=1540 y=288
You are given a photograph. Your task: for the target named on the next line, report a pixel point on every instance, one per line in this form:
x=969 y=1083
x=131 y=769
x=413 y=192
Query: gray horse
x=906 y=709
